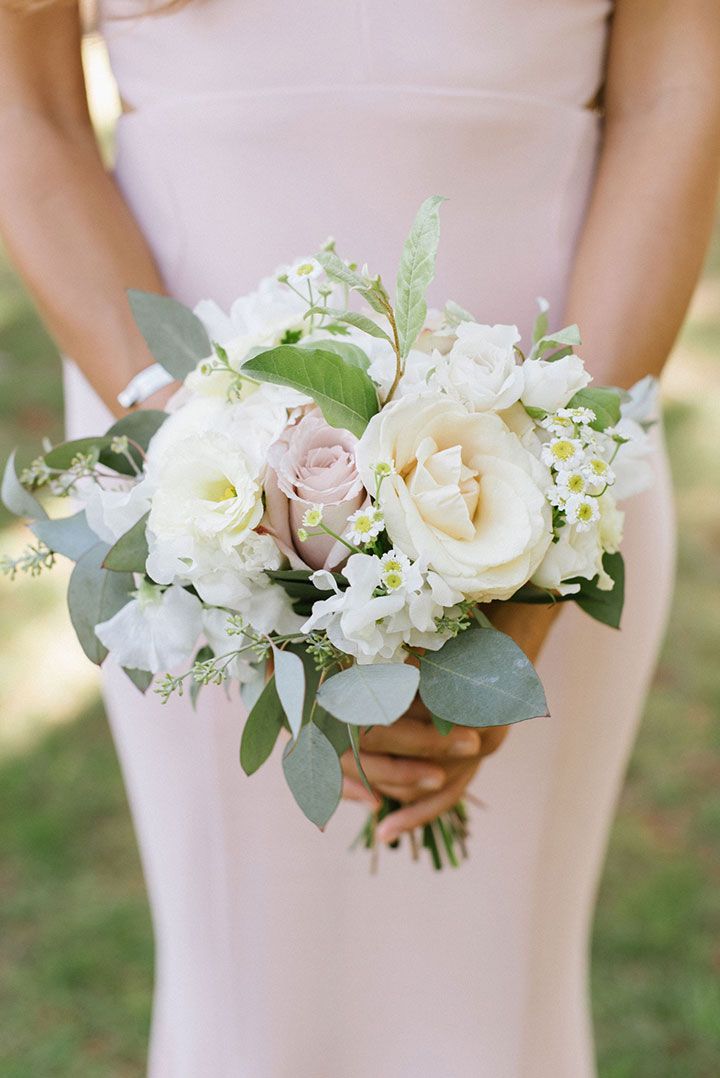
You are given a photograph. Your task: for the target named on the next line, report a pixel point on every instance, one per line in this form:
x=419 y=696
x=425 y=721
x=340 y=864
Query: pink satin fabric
x=258 y=127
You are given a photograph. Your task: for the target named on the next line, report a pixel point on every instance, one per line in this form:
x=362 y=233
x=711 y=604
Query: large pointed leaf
x=95 y=595
x=261 y=729
x=353 y=318
x=15 y=498
x=481 y=678
x=290 y=686
x=351 y=353
x=345 y=394
x=130 y=552
x=605 y=403
x=176 y=337
x=604 y=606
x=337 y=270
x=69 y=536
x=373 y=695
x=417 y=269
x=313 y=773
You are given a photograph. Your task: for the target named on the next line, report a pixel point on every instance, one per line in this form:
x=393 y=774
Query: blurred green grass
x=76 y=948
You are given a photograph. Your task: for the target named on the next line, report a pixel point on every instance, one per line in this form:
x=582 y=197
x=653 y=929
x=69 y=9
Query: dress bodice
x=256 y=128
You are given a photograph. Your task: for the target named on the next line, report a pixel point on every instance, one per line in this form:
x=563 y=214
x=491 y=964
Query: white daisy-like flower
x=312 y=517
x=364 y=525
x=572 y=482
x=563 y=453
x=558 y=424
x=308 y=269
x=582 y=511
x=599 y=473
x=577 y=415
x=395 y=569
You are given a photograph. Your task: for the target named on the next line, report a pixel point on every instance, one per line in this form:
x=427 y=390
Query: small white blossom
x=599 y=473
x=364 y=525
x=582 y=511
x=396 y=571
x=563 y=453
x=307 y=269
x=312 y=517
x=577 y=415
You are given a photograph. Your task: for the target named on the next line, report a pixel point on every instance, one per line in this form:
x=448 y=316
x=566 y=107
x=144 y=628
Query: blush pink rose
x=312 y=463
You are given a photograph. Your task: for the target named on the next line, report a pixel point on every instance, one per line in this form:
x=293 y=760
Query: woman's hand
x=414 y=763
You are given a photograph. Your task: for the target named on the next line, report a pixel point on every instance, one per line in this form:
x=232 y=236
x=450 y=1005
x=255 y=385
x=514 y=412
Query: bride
x=579 y=144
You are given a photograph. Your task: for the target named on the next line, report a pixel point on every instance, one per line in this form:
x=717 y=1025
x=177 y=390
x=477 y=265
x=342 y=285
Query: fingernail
x=430 y=782
x=466 y=746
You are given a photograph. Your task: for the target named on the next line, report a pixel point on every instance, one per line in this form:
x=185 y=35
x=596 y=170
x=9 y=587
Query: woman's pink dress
x=257 y=128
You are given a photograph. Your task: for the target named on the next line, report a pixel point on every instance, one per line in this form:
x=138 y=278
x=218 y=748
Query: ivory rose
x=550 y=385
x=480 y=370
x=312 y=463
x=465 y=496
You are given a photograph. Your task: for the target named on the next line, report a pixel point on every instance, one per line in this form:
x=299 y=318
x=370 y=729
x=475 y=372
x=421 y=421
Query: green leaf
x=351 y=318
x=373 y=695
x=313 y=773
x=141 y=679
x=261 y=730
x=535 y=413
x=95 y=595
x=15 y=498
x=481 y=678
x=298 y=585
x=176 y=337
x=455 y=314
x=336 y=732
x=604 y=606
x=570 y=336
x=417 y=269
x=605 y=403
x=345 y=395
x=138 y=427
x=130 y=552
x=338 y=271
x=540 y=327
x=442 y=725
x=290 y=686
x=69 y=536
x=351 y=353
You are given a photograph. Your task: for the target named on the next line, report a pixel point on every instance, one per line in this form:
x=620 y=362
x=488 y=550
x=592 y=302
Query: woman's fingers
x=353 y=790
x=418 y=738
x=399 y=777
x=425 y=810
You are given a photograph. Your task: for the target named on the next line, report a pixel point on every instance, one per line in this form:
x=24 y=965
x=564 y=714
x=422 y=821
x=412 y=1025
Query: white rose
x=480 y=370
x=550 y=385
x=466 y=497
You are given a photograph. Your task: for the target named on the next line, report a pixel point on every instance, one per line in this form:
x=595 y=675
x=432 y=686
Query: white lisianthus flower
x=480 y=370
x=577 y=553
x=209 y=488
x=156 y=631
x=465 y=496
x=378 y=614
x=112 y=512
x=550 y=385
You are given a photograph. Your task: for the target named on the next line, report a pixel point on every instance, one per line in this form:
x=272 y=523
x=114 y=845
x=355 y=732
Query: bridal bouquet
x=329 y=498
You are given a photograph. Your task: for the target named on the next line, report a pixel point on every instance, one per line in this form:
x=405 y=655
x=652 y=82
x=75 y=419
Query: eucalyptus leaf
x=70 y=536
x=373 y=695
x=290 y=686
x=481 y=678
x=417 y=269
x=604 y=606
x=352 y=318
x=139 y=428
x=298 y=585
x=95 y=595
x=130 y=552
x=605 y=403
x=61 y=456
x=351 y=353
x=176 y=337
x=261 y=729
x=15 y=498
x=354 y=735
x=313 y=773
x=337 y=270
x=344 y=394
x=335 y=731
x=141 y=679
x=570 y=335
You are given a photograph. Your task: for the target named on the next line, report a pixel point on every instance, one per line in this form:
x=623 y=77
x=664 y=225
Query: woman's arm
x=640 y=252
x=63 y=220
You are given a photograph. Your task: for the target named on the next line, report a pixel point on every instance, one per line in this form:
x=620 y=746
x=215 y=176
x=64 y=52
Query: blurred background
x=75 y=934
